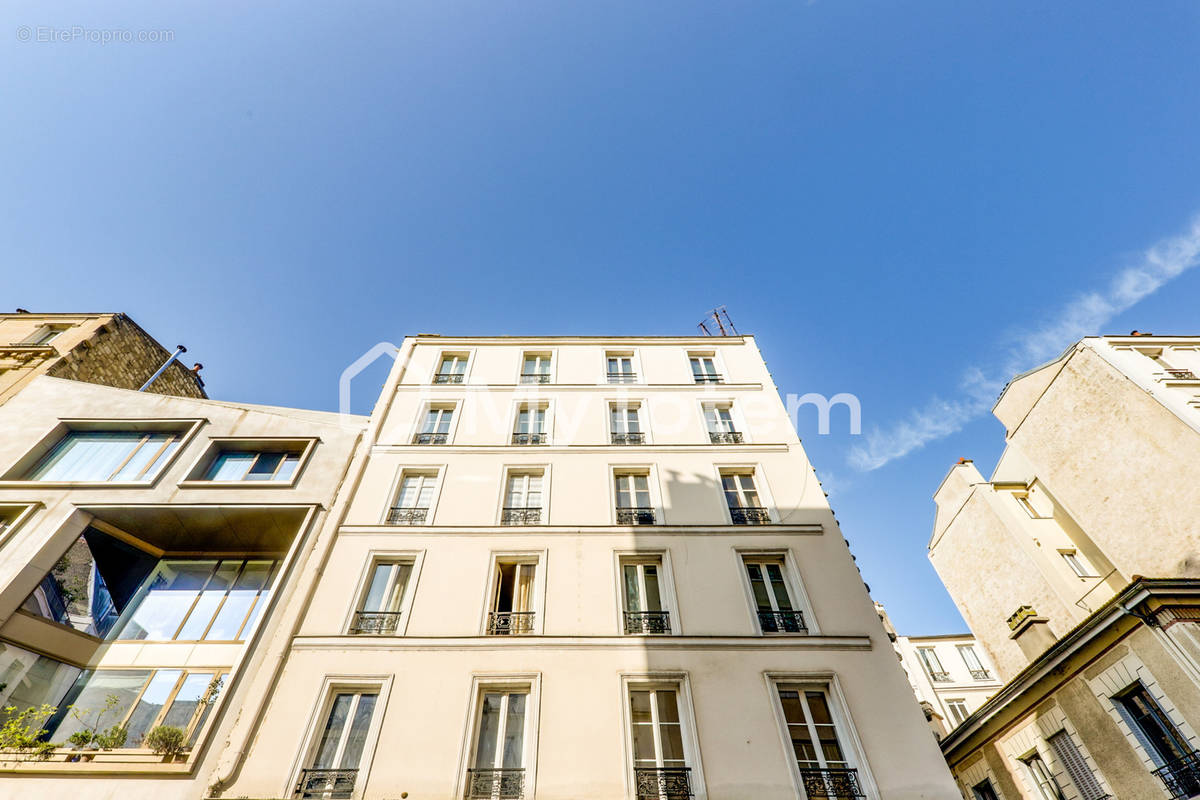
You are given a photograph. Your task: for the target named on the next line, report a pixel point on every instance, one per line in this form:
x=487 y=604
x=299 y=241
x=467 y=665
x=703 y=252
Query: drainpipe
x=179 y=349
x=1181 y=656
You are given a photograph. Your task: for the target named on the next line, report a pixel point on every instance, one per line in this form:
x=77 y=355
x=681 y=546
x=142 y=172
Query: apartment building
x=148 y=545
x=950 y=676
x=583 y=567
x=109 y=349
x=1075 y=566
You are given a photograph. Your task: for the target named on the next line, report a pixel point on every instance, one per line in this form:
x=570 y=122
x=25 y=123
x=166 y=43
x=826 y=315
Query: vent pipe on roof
x=179 y=349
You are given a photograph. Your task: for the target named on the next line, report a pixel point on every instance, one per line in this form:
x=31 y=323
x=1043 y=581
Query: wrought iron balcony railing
x=507 y=623
x=443 y=377
x=939 y=677
x=749 y=515
x=831 y=783
x=521 y=516
x=635 y=516
x=407 y=516
x=782 y=622
x=1180 y=375
x=708 y=378
x=334 y=784
x=663 y=783
x=980 y=674
x=1181 y=776
x=535 y=377
x=628 y=438
x=622 y=377
x=529 y=438
x=502 y=783
x=725 y=437
x=430 y=438
x=647 y=622
x=379 y=623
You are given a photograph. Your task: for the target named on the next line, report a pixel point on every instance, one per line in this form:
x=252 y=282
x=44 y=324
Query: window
x=1078 y=564
x=136 y=700
x=660 y=763
x=620 y=368
x=436 y=427
x=644 y=610
x=933 y=665
x=958 y=711
x=380 y=609
x=773 y=602
x=1027 y=504
x=984 y=791
x=634 y=506
x=719 y=421
x=414 y=499
x=43 y=335
x=111 y=456
x=498 y=766
x=825 y=770
x=625 y=426
x=512 y=599
x=1039 y=775
x=1163 y=742
x=32 y=680
x=741 y=495
x=535 y=368
x=522 y=499
x=529 y=427
x=1076 y=766
x=248 y=465
x=452 y=369
x=338 y=751
x=197 y=600
x=974 y=665
x=704 y=368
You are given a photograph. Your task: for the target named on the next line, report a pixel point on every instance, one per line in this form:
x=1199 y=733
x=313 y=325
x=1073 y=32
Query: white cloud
x=1081 y=317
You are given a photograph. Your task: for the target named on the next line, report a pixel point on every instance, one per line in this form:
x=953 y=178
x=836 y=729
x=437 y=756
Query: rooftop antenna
x=719 y=317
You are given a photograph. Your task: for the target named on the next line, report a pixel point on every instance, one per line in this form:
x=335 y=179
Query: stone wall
x=125 y=356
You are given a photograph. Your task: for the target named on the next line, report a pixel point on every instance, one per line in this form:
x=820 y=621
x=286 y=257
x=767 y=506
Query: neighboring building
x=148 y=544
x=950 y=674
x=108 y=349
x=583 y=568
x=1094 y=490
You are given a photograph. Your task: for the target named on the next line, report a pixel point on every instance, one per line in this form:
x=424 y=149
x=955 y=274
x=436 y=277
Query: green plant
x=166 y=740
x=112 y=738
x=23 y=731
x=80 y=738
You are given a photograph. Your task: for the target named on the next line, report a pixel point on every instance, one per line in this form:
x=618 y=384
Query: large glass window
x=198 y=599
x=110 y=456
x=825 y=770
x=29 y=680
x=251 y=465
x=380 y=609
x=660 y=762
x=644 y=609
x=773 y=601
x=1155 y=731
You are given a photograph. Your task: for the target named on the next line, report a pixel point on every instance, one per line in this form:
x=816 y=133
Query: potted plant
x=167 y=741
x=23 y=732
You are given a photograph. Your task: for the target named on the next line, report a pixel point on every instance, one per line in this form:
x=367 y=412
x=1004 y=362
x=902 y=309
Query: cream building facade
x=1046 y=560
x=583 y=568
x=148 y=547
x=950 y=676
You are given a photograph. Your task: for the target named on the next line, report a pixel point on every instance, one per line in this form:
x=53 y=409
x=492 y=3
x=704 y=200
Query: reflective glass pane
x=230 y=466
x=514 y=732
x=264 y=467
x=90 y=704
x=489 y=731
x=150 y=705
x=632 y=592
x=165 y=599
x=210 y=599
x=653 y=597
x=331 y=735
x=356 y=738
x=243 y=598
x=187 y=699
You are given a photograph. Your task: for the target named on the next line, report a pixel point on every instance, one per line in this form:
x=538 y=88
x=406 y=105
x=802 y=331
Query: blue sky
x=887 y=194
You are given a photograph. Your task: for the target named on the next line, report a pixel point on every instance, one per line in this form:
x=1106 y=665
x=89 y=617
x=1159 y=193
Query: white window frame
x=766 y=498
x=791 y=578
x=331 y=685
x=455 y=407
x=681 y=684
x=1033 y=782
x=510 y=470
x=847 y=732
x=536 y=557
x=643 y=414
x=651 y=473
x=952 y=712
x=437 y=471
x=415 y=558
x=469 y=353
x=482 y=683
x=929 y=670
x=551 y=354
x=23 y=512
x=735 y=415
x=514 y=413
x=718 y=364
x=1079 y=565
x=666 y=585
x=635 y=361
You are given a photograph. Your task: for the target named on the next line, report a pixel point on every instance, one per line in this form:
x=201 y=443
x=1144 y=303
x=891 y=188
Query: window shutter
x=1072 y=760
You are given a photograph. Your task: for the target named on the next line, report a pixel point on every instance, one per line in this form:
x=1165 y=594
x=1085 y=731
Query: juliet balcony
x=635 y=516
x=647 y=622
x=749 y=515
x=782 y=622
x=431 y=438
x=663 y=783
x=836 y=784
x=725 y=437
x=504 y=784
x=521 y=516
x=509 y=623
x=407 y=516
x=528 y=438
x=327 y=784
x=628 y=438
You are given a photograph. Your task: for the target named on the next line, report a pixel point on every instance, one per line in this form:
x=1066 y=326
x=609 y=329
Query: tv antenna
x=719 y=318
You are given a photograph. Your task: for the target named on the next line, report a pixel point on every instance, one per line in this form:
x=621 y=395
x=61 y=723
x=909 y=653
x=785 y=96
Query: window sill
x=238 y=484
x=121 y=762
x=30 y=484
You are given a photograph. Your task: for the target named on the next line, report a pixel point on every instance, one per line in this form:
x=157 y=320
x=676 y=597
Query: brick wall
x=125 y=356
